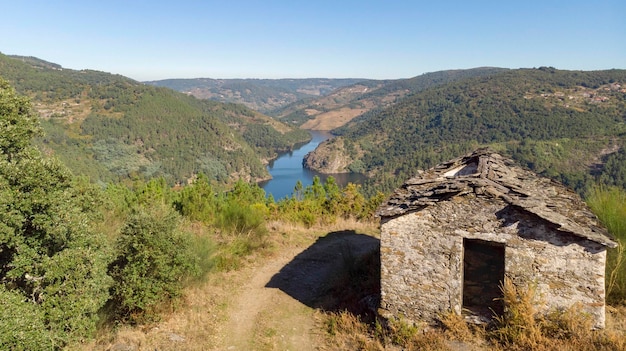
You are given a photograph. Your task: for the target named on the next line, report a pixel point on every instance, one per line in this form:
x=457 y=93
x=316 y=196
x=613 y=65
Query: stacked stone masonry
x=550 y=239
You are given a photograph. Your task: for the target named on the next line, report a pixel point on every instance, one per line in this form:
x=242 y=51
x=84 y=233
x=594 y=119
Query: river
x=287 y=169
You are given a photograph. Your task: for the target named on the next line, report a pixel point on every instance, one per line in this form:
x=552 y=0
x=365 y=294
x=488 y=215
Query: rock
x=176 y=338
x=122 y=347
x=329 y=157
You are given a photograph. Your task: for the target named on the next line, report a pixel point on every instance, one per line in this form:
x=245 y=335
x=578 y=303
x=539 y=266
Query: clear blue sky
x=148 y=40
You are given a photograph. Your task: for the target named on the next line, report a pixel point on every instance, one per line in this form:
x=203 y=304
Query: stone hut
x=452 y=234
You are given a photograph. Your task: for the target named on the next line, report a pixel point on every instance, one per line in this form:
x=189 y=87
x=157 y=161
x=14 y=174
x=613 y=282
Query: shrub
x=243 y=229
x=153 y=261
x=52 y=263
x=609 y=204
x=239 y=219
x=518 y=325
x=22 y=324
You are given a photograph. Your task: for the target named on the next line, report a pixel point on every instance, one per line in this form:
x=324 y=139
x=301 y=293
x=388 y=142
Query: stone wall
x=422 y=258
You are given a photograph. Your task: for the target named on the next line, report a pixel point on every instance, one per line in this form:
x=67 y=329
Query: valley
x=137 y=211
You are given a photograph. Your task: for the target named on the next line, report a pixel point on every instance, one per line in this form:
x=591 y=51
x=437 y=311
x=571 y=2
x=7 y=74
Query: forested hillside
x=564 y=124
x=112 y=128
x=341 y=106
x=84 y=267
x=263 y=95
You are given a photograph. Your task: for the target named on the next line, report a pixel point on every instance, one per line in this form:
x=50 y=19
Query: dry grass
x=347 y=332
x=333 y=119
x=565 y=331
x=192 y=327
x=521 y=328
x=198 y=324
x=455 y=327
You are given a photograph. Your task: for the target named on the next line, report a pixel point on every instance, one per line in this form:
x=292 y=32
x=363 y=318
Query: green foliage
x=153 y=260
x=323 y=203
x=561 y=159
x=22 y=324
x=609 y=204
x=18 y=124
x=402 y=332
x=357 y=167
x=534 y=106
x=267 y=139
x=240 y=219
x=50 y=257
x=198 y=201
x=614 y=171
x=165 y=134
x=136 y=131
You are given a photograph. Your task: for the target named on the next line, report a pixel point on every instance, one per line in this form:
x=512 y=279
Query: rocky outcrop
x=330 y=157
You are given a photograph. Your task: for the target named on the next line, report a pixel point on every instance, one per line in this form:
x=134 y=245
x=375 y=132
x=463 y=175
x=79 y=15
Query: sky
x=152 y=40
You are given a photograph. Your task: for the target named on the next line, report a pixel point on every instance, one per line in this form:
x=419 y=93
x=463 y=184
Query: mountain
x=559 y=123
x=344 y=104
x=263 y=95
x=112 y=128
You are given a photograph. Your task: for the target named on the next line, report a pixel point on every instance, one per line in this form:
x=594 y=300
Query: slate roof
x=486 y=173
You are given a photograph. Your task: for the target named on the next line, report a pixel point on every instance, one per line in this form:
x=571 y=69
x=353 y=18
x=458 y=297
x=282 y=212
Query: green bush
x=52 y=263
x=609 y=204
x=241 y=220
x=197 y=201
x=153 y=261
x=22 y=324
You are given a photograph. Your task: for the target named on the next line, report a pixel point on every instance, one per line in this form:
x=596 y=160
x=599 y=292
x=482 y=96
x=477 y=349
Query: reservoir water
x=287 y=169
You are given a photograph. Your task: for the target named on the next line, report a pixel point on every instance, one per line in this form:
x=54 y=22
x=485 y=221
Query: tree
x=18 y=123
x=50 y=258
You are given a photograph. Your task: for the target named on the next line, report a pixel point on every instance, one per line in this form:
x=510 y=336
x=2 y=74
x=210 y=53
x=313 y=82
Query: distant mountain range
x=264 y=95
x=346 y=103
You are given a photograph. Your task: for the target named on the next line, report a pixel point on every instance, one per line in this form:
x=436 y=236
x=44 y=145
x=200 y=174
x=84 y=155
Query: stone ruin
x=452 y=234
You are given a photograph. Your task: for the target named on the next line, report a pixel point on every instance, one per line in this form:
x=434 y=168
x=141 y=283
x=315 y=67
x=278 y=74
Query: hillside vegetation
x=563 y=124
x=264 y=95
x=112 y=128
x=344 y=104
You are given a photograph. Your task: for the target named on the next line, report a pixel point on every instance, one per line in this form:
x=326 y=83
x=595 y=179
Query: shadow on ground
x=340 y=271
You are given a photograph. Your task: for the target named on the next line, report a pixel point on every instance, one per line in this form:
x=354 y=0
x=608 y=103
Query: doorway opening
x=483 y=274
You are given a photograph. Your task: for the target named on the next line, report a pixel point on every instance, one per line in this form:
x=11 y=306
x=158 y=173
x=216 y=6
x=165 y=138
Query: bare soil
x=276 y=307
x=333 y=119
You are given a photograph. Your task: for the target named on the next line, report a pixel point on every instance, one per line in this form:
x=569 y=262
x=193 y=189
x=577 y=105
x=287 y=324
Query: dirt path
x=272 y=303
x=275 y=306
x=262 y=318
